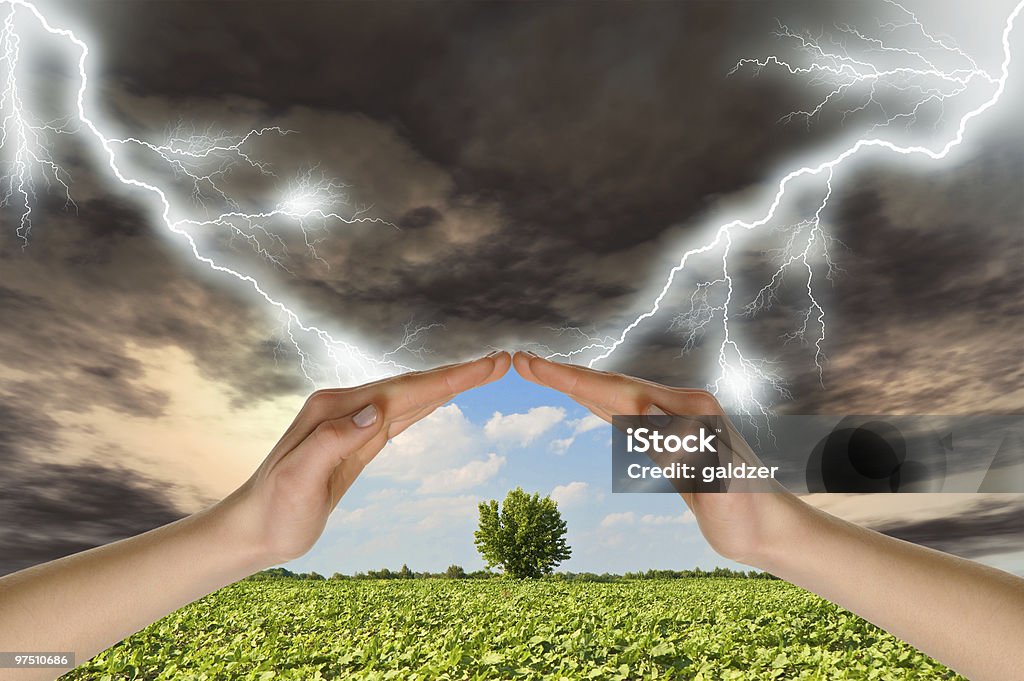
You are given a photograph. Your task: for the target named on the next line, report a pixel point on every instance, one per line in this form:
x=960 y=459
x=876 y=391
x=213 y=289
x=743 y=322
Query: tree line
x=457 y=572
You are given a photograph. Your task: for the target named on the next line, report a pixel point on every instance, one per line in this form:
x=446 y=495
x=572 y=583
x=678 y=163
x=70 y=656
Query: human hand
x=283 y=508
x=743 y=526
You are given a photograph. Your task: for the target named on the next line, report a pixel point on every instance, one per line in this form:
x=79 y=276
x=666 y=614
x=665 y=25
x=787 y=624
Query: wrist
x=232 y=531
x=785 y=527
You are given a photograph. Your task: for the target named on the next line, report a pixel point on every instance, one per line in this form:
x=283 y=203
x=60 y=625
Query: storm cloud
x=538 y=164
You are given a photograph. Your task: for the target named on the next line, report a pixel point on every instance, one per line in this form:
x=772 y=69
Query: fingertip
x=492 y=366
x=484 y=368
x=502 y=361
x=499 y=361
x=522 y=362
x=559 y=376
x=466 y=375
x=540 y=367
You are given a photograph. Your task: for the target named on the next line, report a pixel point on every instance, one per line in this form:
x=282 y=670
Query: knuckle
x=627 y=386
x=626 y=394
x=317 y=401
x=705 y=403
x=404 y=395
x=329 y=432
x=409 y=399
x=287 y=485
x=287 y=477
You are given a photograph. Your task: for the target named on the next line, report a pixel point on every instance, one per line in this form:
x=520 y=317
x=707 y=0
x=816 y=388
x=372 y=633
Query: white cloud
x=351 y=516
x=587 y=423
x=615 y=519
x=648 y=519
x=445 y=439
x=439 y=512
x=443 y=452
x=571 y=494
x=559 y=446
x=465 y=477
x=684 y=518
x=386 y=494
x=425 y=513
x=579 y=426
x=522 y=429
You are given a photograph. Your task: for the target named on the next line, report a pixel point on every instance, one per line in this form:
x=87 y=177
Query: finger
x=388 y=431
x=351 y=466
x=502 y=362
x=604 y=390
x=330 y=398
x=619 y=394
x=521 y=361
x=381 y=381
x=347 y=473
x=395 y=428
x=593 y=408
x=395 y=399
x=405 y=394
x=330 y=443
x=329 y=404
x=597 y=373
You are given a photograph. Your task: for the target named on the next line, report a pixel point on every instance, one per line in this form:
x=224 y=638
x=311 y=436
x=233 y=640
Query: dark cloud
x=419 y=218
x=575 y=146
x=61 y=509
x=990 y=528
x=576 y=133
x=538 y=161
x=925 y=316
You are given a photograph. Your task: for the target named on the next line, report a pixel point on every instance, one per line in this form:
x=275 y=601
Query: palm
x=733 y=523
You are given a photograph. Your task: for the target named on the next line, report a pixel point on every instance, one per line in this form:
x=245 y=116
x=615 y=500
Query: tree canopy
x=524 y=535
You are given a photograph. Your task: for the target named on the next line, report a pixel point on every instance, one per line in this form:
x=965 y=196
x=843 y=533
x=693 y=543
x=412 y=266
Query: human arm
x=967 y=615
x=90 y=600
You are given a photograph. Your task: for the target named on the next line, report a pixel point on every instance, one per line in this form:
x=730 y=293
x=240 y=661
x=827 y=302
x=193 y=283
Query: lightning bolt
x=863 y=76
x=203 y=160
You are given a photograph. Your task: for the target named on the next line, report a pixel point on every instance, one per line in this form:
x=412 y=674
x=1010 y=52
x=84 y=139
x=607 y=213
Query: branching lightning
x=864 y=76
x=203 y=160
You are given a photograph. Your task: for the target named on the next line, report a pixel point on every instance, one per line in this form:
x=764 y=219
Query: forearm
x=967 y=615
x=89 y=601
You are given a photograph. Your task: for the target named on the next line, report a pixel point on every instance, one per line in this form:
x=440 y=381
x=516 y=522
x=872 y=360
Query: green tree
x=525 y=535
x=455 y=572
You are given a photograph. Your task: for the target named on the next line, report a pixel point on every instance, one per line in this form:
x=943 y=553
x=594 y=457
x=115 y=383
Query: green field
x=503 y=629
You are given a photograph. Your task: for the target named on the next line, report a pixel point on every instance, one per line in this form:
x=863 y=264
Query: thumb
x=334 y=440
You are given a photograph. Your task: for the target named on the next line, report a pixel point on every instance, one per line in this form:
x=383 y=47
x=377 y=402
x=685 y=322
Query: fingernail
x=366 y=416
x=492 y=354
x=657 y=416
x=532 y=353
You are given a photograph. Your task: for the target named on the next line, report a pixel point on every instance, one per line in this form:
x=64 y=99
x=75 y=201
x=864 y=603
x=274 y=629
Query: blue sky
x=417 y=502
